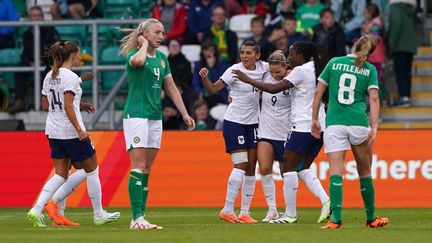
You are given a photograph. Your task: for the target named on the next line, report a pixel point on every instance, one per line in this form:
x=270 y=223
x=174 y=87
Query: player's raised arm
x=211 y=87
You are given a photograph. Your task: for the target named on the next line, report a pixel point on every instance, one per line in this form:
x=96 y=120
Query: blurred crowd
x=333 y=25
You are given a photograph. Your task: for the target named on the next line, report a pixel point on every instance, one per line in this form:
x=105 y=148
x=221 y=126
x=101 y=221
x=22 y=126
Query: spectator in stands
x=182 y=75
x=203 y=121
x=210 y=60
x=329 y=36
x=199 y=19
x=49 y=36
x=375 y=27
x=280 y=40
x=232 y=7
x=308 y=15
x=254 y=7
x=172 y=119
x=8 y=12
x=181 y=69
x=289 y=29
x=402 y=45
x=352 y=21
x=225 y=39
x=173 y=16
x=257 y=28
x=77 y=9
x=279 y=10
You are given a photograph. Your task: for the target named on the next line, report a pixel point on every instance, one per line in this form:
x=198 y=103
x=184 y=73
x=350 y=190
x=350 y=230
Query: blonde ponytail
x=363 y=48
x=130 y=41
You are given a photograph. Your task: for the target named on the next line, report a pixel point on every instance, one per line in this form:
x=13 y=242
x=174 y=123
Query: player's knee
x=266 y=169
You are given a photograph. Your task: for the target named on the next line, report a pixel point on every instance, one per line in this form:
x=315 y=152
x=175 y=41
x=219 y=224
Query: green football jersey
x=348 y=88
x=145 y=86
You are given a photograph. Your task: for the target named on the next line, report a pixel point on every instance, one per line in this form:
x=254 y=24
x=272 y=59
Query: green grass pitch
x=203 y=225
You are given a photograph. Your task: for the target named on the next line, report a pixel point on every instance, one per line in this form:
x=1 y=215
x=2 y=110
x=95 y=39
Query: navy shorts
x=239 y=136
x=278 y=147
x=304 y=143
x=74 y=149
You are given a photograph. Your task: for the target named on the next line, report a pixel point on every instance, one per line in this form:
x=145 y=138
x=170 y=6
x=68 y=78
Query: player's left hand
x=87 y=76
x=372 y=135
x=316 y=129
x=189 y=122
x=240 y=75
x=90 y=108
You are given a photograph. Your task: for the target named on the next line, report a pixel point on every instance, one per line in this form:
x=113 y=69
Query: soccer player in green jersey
x=147 y=69
x=349 y=80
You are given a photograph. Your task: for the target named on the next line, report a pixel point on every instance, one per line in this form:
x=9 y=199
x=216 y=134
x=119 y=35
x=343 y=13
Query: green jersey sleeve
x=373 y=81
x=129 y=55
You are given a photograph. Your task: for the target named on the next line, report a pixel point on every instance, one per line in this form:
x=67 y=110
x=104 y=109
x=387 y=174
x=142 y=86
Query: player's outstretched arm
x=267 y=87
x=208 y=85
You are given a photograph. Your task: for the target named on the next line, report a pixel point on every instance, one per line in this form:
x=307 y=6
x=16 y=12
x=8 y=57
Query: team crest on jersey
x=163 y=64
x=241 y=139
x=136 y=139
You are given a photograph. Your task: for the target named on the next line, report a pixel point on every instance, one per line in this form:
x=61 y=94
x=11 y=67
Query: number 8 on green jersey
x=348 y=86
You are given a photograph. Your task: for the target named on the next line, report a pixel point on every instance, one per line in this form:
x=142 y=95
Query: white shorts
x=340 y=137
x=142 y=133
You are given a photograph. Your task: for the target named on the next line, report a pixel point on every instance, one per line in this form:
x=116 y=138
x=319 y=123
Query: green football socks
x=135 y=187
x=336 y=198
x=368 y=194
x=145 y=191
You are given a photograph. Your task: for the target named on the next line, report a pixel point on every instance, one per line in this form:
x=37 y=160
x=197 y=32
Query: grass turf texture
x=203 y=225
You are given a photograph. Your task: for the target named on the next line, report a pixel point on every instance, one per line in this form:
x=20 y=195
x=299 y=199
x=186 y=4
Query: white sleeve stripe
x=373 y=87
x=323 y=81
x=167 y=76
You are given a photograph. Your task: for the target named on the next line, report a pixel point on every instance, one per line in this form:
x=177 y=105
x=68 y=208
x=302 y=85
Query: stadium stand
x=9 y=57
x=241 y=25
x=192 y=53
x=110 y=55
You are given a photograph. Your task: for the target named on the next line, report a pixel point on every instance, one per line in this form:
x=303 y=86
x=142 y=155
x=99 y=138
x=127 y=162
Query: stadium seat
x=119 y=13
x=192 y=52
x=10 y=56
x=73 y=33
x=110 y=78
x=9 y=79
x=111 y=55
x=145 y=7
x=106 y=34
x=163 y=49
x=121 y=9
x=128 y=3
x=87 y=86
x=18 y=36
x=241 y=24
